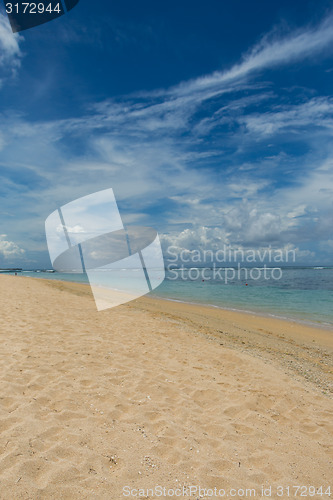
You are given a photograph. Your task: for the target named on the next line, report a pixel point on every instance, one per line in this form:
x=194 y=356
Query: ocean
x=303 y=294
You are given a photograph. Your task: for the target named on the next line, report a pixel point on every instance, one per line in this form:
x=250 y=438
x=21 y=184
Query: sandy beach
x=95 y=404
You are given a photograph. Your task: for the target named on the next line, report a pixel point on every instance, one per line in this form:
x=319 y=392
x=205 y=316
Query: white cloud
x=297 y=212
x=75 y=229
x=10 y=52
x=317 y=112
x=151 y=151
x=273 y=50
x=9 y=248
x=201 y=237
x=204 y=245
x=168 y=111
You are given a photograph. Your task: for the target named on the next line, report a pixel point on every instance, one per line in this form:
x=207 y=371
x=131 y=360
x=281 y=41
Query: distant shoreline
x=322 y=324
x=295 y=345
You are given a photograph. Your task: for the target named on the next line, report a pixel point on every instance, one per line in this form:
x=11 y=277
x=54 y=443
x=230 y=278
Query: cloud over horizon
x=239 y=153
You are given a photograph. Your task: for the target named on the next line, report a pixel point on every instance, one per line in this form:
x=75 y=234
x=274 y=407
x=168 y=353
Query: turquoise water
x=300 y=293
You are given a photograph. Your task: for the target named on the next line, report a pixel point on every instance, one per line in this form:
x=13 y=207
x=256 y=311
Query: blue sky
x=212 y=122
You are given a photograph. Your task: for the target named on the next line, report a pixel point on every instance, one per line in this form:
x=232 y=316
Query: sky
x=211 y=121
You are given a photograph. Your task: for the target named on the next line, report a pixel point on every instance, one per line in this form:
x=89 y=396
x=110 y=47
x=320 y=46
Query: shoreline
x=314 y=324
x=306 y=351
x=265 y=314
